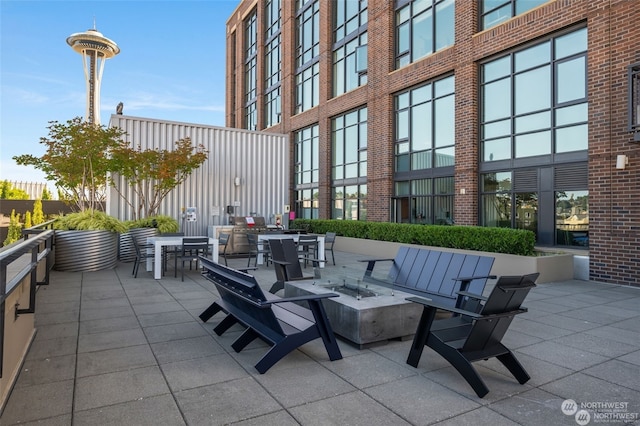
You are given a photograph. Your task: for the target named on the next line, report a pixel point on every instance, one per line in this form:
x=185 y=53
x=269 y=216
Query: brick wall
x=614 y=43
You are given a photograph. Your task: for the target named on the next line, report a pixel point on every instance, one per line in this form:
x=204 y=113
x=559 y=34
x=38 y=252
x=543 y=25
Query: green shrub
x=478 y=238
x=163 y=223
x=89 y=220
x=14 y=233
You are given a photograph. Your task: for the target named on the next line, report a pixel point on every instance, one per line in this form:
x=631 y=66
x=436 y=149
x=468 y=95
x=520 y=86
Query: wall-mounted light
x=622 y=161
x=237 y=181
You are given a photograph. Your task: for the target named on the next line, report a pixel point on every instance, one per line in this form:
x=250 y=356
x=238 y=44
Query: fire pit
x=364 y=314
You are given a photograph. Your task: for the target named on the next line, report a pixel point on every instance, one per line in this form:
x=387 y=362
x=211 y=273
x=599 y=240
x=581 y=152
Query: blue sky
x=171 y=66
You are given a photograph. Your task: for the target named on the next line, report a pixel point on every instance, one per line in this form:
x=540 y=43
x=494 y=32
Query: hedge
x=478 y=238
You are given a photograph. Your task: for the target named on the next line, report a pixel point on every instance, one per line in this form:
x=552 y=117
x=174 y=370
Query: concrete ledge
x=551 y=266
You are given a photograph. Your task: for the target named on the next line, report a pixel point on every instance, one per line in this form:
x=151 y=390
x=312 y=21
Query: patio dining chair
x=256 y=248
x=329 y=241
x=168 y=251
x=191 y=249
x=308 y=247
x=223 y=244
x=141 y=254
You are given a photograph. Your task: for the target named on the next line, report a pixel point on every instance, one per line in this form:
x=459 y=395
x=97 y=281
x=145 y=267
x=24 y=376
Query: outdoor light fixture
x=622 y=162
x=634 y=101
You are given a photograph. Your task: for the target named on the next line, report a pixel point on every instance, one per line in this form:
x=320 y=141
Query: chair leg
x=244 y=339
x=512 y=364
x=420 y=338
x=135 y=264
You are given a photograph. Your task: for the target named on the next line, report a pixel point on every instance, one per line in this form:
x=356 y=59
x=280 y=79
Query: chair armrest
x=481 y=277
x=310 y=259
x=472 y=295
x=299 y=298
x=433 y=304
x=281 y=262
x=371 y=263
x=466 y=281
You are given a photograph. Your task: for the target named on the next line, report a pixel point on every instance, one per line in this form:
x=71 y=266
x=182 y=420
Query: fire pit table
x=365 y=314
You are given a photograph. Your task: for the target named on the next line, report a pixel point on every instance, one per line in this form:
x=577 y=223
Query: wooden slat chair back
x=229 y=282
x=504 y=302
x=284 y=256
x=436 y=273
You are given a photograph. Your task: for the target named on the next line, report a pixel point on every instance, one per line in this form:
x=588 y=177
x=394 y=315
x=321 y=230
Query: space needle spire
x=95 y=49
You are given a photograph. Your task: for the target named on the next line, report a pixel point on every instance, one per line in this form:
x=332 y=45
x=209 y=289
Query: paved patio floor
x=111 y=349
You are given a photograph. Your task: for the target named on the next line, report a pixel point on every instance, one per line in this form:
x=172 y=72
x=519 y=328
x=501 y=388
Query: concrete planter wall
x=84 y=251
x=551 y=266
x=126 y=252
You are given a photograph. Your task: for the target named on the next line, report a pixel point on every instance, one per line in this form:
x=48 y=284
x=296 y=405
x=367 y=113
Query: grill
x=242 y=226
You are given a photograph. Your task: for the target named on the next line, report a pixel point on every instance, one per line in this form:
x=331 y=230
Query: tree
x=8 y=192
x=38 y=213
x=27 y=220
x=14 y=232
x=46 y=195
x=77 y=160
x=152 y=174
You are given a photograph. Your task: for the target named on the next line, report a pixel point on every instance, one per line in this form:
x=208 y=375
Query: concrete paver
x=111 y=349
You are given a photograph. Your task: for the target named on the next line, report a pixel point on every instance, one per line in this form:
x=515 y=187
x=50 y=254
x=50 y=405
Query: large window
x=306 y=171
x=503 y=206
x=349 y=165
x=272 y=63
x=494 y=12
x=424 y=201
x=250 y=72
x=350 y=48
x=572 y=218
x=425 y=127
x=349 y=202
x=534 y=101
x=307 y=55
x=423 y=27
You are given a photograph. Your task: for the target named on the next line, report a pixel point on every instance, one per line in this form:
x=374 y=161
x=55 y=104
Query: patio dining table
x=159 y=242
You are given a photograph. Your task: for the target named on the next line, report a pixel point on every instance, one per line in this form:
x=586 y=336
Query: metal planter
x=85 y=251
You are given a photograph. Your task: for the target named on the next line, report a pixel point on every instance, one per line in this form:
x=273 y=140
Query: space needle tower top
x=95 y=49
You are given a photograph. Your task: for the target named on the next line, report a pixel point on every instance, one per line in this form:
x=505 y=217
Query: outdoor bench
x=436 y=275
x=280 y=322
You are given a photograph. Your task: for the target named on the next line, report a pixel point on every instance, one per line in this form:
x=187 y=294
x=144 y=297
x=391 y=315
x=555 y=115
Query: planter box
x=85 y=251
x=551 y=266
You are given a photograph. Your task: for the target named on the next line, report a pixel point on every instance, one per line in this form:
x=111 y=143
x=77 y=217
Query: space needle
x=95 y=49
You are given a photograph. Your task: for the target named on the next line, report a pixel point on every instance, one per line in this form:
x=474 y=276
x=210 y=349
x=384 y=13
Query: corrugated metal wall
x=259 y=160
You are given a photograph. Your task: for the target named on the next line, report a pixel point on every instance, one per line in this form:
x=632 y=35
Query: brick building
x=479 y=112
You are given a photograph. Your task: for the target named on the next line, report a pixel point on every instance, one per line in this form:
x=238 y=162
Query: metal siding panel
x=258 y=158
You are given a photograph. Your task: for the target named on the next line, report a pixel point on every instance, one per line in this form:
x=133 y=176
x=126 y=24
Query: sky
x=171 y=66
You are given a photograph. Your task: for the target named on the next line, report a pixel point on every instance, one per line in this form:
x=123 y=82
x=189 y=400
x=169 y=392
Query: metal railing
x=19 y=261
